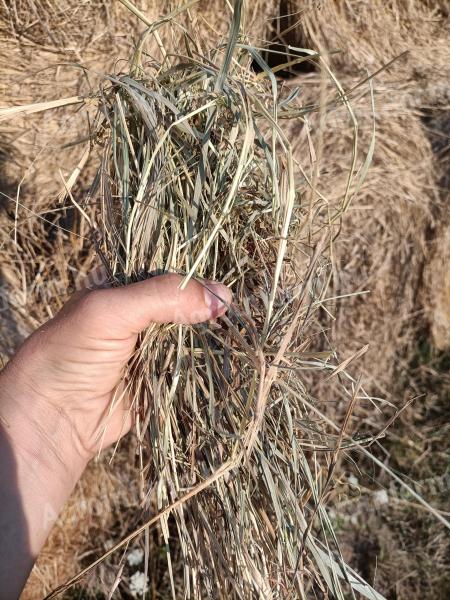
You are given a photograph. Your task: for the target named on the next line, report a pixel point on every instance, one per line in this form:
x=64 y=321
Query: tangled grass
x=197 y=177
x=382 y=250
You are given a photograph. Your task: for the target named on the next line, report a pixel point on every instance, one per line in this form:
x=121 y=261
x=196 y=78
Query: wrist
x=37 y=475
x=39 y=432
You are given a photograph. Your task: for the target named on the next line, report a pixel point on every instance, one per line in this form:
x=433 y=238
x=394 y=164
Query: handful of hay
x=198 y=178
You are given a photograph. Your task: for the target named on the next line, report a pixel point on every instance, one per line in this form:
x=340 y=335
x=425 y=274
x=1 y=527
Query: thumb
x=128 y=310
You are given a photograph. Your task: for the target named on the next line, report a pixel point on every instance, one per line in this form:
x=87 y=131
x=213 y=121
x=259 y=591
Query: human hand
x=71 y=366
x=56 y=395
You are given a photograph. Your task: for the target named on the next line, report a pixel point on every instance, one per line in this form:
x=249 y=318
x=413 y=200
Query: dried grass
x=401 y=203
x=197 y=177
x=367 y=256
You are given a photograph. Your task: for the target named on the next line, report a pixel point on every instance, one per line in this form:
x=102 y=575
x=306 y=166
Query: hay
x=197 y=178
x=389 y=318
x=400 y=205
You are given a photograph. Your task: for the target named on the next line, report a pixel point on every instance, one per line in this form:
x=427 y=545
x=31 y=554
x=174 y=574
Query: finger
x=130 y=309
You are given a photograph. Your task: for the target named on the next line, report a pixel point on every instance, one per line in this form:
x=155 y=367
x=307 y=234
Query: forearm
x=36 y=477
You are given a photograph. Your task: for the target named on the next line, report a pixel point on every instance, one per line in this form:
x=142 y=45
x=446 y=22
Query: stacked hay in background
x=395 y=244
x=383 y=248
x=401 y=204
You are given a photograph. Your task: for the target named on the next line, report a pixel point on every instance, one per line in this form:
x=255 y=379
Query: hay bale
x=384 y=244
x=438 y=291
x=370 y=34
x=389 y=228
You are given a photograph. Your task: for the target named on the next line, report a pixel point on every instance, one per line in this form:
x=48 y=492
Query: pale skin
x=55 y=400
